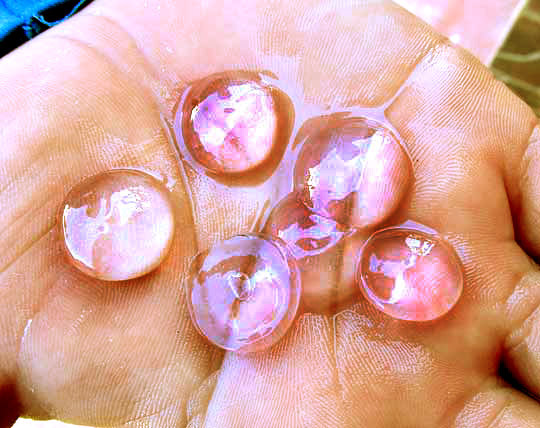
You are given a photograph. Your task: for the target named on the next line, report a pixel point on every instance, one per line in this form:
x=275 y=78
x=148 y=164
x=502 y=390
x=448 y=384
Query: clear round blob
x=230 y=125
x=313 y=241
x=354 y=171
x=117 y=225
x=305 y=232
x=409 y=274
x=244 y=292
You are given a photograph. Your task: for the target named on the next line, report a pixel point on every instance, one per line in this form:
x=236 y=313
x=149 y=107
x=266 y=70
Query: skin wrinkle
x=148 y=74
x=285 y=370
x=142 y=416
x=150 y=415
x=511 y=342
x=22 y=329
x=380 y=90
x=518 y=353
x=521 y=329
x=525 y=328
x=199 y=399
x=524 y=167
x=479 y=398
x=503 y=409
x=515 y=193
x=48 y=229
x=37 y=159
x=523 y=198
x=381 y=364
x=11 y=239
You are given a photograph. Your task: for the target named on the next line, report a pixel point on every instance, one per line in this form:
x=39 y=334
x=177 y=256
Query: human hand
x=89 y=96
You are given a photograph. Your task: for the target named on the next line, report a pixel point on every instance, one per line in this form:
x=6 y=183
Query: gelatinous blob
x=353 y=171
x=230 y=125
x=409 y=274
x=243 y=293
x=117 y=225
x=306 y=233
x=313 y=241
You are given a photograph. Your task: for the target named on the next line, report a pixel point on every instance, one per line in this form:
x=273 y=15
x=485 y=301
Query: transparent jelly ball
x=229 y=124
x=354 y=171
x=117 y=225
x=410 y=274
x=313 y=241
x=244 y=292
x=305 y=232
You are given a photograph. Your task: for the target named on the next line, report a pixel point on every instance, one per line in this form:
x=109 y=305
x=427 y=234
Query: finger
x=293 y=383
x=78 y=349
x=499 y=406
x=525 y=194
x=521 y=348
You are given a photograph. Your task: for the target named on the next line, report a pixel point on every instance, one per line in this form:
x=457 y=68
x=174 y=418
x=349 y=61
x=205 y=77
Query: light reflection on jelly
x=244 y=292
x=410 y=274
x=354 y=171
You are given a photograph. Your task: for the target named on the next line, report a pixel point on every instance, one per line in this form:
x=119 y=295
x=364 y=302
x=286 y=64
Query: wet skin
x=90 y=95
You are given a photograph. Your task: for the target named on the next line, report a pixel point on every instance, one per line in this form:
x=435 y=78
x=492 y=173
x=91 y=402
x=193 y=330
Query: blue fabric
x=16 y=13
x=21 y=20
x=8 y=21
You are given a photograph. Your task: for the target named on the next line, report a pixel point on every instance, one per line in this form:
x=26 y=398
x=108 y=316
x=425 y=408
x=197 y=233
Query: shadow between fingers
x=10 y=406
x=507 y=376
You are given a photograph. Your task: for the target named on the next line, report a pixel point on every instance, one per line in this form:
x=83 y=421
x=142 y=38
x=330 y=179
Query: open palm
x=94 y=94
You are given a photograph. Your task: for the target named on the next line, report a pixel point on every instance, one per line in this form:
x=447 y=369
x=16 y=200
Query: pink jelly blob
x=117 y=225
x=409 y=274
x=354 y=171
x=244 y=292
x=230 y=124
x=305 y=232
x=313 y=241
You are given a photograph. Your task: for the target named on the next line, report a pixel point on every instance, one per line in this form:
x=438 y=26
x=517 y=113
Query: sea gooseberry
x=229 y=123
x=305 y=232
x=410 y=274
x=117 y=225
x=354 y=171
x=313 y=241
x=244 y=292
